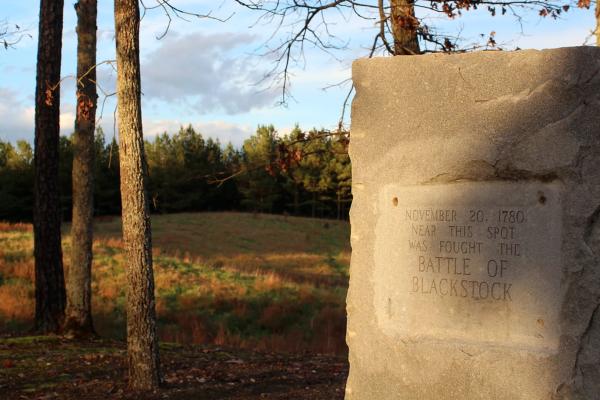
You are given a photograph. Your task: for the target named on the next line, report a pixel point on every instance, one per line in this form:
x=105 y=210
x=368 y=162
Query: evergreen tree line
x=302 y=173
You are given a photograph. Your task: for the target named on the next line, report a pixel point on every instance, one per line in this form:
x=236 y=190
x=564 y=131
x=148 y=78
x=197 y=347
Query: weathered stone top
x=496 y=105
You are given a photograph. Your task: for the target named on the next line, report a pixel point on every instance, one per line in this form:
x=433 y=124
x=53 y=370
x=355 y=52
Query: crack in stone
x=515 y=98
x=591 y=78
x=582 y=154
x=578 y=379
x=499 y=174
x=589 y=230
x=582 y=347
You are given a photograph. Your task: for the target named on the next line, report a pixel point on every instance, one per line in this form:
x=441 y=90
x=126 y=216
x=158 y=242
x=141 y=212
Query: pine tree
x=259 y=184
x=142 y=340
x=50 y=294
x=79 y=279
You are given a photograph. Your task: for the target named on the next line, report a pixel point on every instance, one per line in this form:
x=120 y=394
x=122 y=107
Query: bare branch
x=308 y=23
x=171 y=11
x=11 y=34
x=382 y=28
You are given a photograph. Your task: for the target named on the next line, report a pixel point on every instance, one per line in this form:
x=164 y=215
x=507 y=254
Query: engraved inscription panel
x=470 y=262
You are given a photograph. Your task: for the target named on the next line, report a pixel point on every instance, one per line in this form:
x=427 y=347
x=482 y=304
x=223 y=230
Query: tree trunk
x=404 y=27
x=49 y=276
x=79 y=279
x=597 y=24
x=142 y=342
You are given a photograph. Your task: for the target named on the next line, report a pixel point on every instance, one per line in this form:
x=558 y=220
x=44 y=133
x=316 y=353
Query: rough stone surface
x=475 y=238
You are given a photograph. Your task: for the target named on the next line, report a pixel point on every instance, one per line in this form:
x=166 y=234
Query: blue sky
x=210 y=74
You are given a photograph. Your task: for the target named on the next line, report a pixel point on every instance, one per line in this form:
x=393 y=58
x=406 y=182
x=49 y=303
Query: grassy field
x=240 y=280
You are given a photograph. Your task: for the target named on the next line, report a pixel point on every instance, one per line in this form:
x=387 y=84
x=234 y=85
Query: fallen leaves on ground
x=56 y=368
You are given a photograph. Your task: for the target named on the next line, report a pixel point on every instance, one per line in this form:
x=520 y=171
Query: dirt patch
x=55 y=368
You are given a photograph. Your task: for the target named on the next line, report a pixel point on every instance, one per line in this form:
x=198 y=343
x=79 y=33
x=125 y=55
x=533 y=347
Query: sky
x=215 y=75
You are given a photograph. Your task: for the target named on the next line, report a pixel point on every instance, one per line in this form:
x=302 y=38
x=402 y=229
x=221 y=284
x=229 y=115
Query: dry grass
x=262 y=282
x=12 y=227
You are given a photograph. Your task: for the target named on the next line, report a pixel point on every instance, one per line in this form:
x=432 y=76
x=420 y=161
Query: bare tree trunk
x=79 y=279
x=597 y=24
x=49 y=276
x=404 y=27
x=142 y=342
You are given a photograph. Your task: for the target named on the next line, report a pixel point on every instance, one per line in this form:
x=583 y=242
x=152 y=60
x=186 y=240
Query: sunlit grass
x=257 y=281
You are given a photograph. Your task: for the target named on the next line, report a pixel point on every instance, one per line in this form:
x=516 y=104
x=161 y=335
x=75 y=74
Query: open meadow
x=254 y=281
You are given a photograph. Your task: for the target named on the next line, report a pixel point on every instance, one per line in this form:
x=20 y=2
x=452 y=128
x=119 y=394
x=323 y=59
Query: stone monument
x=475 y=269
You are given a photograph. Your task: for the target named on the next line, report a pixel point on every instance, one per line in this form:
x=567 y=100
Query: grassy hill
x=244 y=280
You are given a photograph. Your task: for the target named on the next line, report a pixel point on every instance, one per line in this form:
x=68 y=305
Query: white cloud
x=205 y=73
x=17 y=117
x=16 y=120
x=226 y=131
x=67 y=122
x=157 y=127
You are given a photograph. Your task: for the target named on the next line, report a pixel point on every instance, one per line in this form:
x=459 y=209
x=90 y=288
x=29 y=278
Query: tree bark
x=404 y=27
x=597 y=24
x=79 y=278
x=142 y=342
x=49 y=276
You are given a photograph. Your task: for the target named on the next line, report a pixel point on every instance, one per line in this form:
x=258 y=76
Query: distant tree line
x=302 y=173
